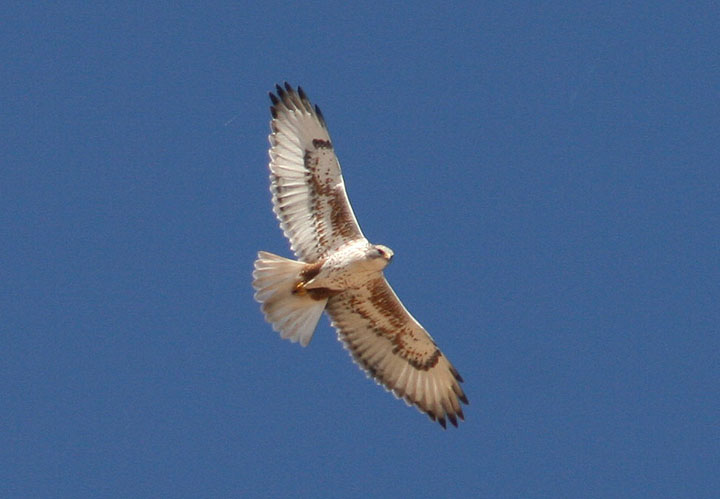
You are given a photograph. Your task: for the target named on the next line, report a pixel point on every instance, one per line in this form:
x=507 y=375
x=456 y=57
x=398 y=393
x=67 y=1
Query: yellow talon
x=300 y=289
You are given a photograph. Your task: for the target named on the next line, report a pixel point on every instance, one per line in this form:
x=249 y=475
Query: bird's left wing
x=307 y=187
x=393 y=348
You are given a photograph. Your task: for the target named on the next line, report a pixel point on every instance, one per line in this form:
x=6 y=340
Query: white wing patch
x=308 y=191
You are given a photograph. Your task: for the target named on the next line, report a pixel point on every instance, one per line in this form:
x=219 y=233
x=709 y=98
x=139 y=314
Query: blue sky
x=547 y=175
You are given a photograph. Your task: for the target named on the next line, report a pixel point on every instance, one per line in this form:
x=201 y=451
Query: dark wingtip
x=320 y=115
x=442 y=423
x=456 y=374
x=275 y=101
x=452 y=419
x=291 y=98
x=463 y=399
x=304 y=99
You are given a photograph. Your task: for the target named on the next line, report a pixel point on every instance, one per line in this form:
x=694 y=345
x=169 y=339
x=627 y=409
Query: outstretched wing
x=307 y=187
x=392 y=347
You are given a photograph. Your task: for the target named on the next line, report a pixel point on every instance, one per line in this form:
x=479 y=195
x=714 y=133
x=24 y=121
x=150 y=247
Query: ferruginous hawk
x=339 y=271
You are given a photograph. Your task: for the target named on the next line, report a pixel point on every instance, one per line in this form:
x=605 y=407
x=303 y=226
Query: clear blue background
x=547 y=175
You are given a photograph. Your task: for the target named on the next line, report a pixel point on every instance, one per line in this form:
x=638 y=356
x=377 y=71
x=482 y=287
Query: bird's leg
x=299 y=289
x=308 y=273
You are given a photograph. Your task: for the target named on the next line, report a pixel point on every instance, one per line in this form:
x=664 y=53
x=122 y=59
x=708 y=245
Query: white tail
x=293 y=315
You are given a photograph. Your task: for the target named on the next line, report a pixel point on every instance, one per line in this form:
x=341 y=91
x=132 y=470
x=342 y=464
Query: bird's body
x=350 y=266
x=339 y=271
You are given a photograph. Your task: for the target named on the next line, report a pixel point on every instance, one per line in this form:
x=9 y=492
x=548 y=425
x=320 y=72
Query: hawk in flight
x=339 y=271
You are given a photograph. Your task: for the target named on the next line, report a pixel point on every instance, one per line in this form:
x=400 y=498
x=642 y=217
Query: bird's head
x=381 y=252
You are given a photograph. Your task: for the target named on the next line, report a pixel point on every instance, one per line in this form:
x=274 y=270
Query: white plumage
x=339 y=271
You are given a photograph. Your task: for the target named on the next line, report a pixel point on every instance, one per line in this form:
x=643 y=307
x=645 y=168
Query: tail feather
x=293 y=315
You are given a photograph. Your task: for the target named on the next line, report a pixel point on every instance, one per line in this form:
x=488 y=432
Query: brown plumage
x=339 y=271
